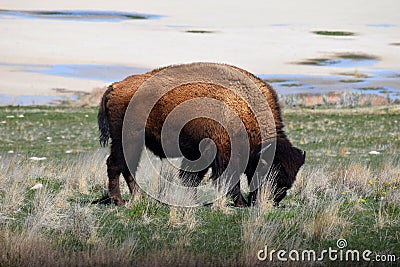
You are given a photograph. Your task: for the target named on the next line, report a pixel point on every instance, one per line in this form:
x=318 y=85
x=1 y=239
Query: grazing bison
x=116 y=101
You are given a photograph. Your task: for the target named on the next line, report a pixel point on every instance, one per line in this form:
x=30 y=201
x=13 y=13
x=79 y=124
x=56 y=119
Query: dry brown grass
x=314 y=213
x=181 y=216
x=32 y=243
x=336 y=99
x=319 y=211
x=90 y=99
x=318 y=218
x=28 y=249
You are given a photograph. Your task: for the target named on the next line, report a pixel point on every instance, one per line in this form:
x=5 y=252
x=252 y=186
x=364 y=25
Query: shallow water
x=106 y=73
x=81 y=15
x=381 y=82
x=382 y=85
x=381 y=25
x=349 y=63
x=32 y=100
x=284 y=83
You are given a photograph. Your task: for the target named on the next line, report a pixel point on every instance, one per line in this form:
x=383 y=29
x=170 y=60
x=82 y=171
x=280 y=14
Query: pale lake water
x=377 y=81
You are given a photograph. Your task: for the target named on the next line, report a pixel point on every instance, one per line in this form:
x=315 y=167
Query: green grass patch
x=337 y=58
x=341 y=192
x=371 y=88
x=199 y=31
x=356 y=56
x=334 y=33
x=317 y=62
x=49 y=131
x=292 y=84
x=354 y=74
x=275 y=81
x=351 y=81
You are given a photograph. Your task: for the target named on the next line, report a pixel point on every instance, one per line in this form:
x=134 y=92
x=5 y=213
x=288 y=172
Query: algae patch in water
x=199 y=31
x=347 y=59
x=83 y=15
x=334 y=33
x=351 y=81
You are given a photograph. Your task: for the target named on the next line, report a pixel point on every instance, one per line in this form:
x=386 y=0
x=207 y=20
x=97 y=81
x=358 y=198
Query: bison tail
x=102 y=119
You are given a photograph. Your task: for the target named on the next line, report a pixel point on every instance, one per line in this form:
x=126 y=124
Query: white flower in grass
x=21 y=116
x=68 y=152
x=37 y=186
x=10 y=152
x=10 y=116
x=373 y=152
x=37 y=158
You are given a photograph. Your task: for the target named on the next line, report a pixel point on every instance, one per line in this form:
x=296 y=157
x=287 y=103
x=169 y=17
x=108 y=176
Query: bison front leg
x=230 y=179
x=279 y=194
x=191 y=179
x=191 y=175
x=237 y=196
x=132 y=150
x=134 y=188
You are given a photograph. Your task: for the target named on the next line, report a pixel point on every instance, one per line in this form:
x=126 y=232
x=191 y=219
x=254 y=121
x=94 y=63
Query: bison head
x=282 y=172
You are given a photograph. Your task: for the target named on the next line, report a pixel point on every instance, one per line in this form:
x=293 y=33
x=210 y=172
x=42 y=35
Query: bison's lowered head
x=287 y=161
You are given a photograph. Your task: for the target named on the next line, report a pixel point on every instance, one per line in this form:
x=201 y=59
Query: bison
x=114 y=104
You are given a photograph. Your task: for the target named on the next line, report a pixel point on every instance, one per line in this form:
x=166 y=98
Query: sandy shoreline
x=262 y=38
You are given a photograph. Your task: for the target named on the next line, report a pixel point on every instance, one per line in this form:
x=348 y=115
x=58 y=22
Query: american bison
x=114 y=108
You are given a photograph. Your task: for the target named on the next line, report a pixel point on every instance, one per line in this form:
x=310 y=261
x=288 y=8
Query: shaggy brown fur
x=287 y=161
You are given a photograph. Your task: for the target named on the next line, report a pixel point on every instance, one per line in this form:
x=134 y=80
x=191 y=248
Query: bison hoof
x=241 y=203
x=117 y=201
x=277 y=206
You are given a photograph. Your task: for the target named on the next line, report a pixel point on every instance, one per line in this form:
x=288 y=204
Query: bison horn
x=264 y=149
x=304 y=155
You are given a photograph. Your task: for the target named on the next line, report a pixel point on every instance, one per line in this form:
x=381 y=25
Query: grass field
x=348 y=189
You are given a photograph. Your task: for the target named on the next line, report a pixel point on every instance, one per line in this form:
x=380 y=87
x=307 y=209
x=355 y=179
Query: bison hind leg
x=117 y=164
x=114 y=169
